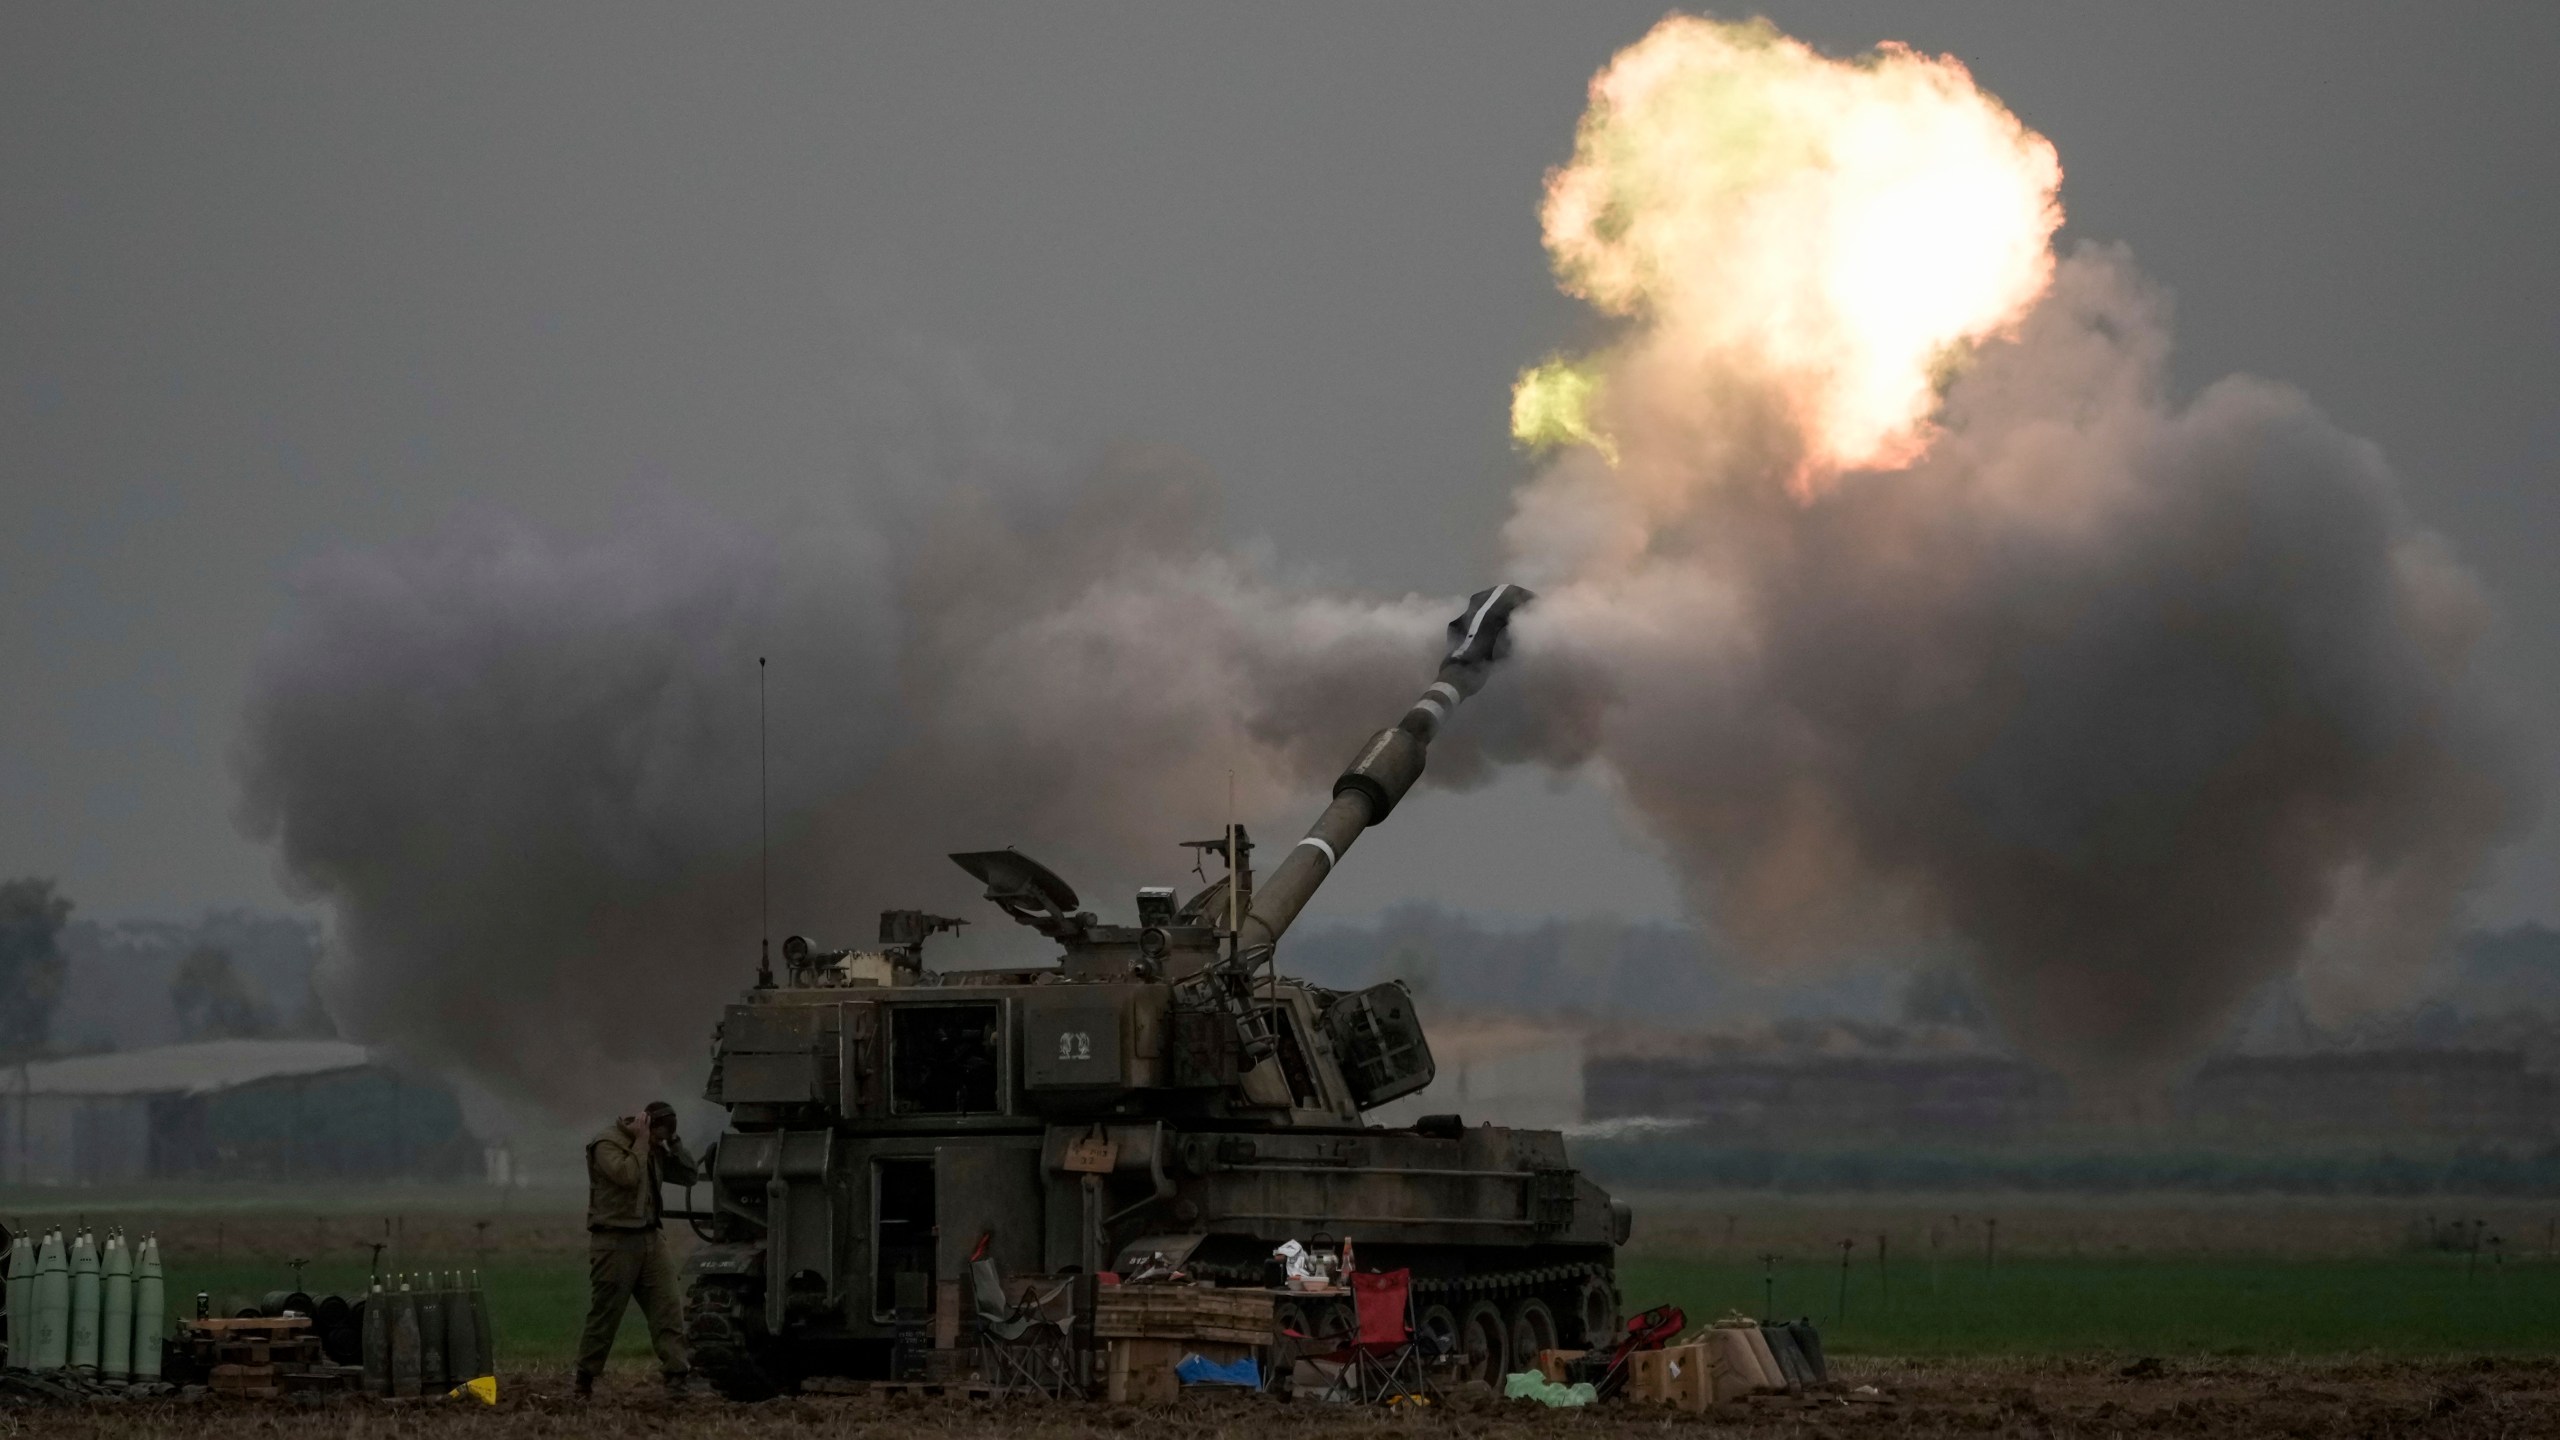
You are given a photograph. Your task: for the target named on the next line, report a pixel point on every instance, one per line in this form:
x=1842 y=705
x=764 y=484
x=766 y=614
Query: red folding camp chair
x=1382 y=1364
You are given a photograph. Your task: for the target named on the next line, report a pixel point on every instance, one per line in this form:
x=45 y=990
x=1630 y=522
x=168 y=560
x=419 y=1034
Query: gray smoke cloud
x=520 y=769
x=2133 y=703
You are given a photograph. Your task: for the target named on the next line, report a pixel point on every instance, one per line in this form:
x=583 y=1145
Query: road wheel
x=1533 y=1328
x=1484 y=1343
x=1596 y=1309
x=1334 y=1323
x=724 y=1329
x=1290 y=1318
x=1437 y=1326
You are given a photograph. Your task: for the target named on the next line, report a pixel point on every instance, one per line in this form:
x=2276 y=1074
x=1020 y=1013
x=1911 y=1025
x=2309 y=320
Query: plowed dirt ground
x=2226 y=1401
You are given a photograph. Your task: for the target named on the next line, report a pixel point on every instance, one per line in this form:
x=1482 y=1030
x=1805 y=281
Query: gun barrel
x=1383 y=771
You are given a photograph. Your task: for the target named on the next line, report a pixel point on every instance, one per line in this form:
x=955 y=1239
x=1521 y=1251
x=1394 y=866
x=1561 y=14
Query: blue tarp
x=1200 y=1370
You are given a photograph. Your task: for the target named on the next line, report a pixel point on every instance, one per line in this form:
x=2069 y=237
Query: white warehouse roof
x=197 y=1069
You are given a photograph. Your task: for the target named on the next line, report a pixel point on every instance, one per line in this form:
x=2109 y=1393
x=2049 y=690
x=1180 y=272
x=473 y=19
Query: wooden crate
x=1692 y=1383
x=1183 y=1312
x=1552 y=1363
x=1649 y=1376
x=1140 y=1371
x=251 y=1325
x=1680 y=1376
x=301 y=1350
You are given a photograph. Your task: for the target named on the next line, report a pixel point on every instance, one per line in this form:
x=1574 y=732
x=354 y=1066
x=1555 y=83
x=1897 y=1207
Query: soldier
x=628 y=1257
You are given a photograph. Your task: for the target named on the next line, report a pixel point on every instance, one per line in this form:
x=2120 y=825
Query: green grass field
x=2416 y=1306
x=2175 y=1276
x=2412 y=1306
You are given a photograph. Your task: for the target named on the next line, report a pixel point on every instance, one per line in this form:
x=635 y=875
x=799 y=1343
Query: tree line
x=210 y=997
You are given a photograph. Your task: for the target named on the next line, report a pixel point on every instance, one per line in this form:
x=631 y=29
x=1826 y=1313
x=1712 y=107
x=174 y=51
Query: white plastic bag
x=1295 y=1261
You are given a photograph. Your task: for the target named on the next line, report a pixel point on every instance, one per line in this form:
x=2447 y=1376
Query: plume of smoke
x=521 y=770
x=1959 y=631
x=512 y=766
x=1881 y=571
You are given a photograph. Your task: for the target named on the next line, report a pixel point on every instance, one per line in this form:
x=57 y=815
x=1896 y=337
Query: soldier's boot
x=582 y=1384
x=684 y=1385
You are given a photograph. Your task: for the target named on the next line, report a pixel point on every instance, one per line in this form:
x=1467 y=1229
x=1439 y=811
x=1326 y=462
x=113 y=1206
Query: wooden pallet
x=262 y=1358
x=301 y=1350
x=1183 y=1312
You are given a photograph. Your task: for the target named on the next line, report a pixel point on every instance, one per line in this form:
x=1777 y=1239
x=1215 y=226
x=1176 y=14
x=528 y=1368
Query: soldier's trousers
x=623 y=1266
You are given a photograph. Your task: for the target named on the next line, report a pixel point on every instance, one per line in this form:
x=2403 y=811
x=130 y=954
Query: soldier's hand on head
x=635 y=1125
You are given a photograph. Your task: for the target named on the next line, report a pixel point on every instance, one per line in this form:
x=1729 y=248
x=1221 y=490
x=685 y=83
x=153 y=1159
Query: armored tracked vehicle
x=1160 y=1090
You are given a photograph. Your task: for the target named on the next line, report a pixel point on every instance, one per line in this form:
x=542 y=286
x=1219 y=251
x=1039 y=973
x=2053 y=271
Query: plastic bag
x=1201 y=1370
x=1295 y=1260
x=1530 y=1385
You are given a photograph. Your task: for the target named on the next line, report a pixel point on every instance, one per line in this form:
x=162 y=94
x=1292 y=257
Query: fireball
x=1837 y=233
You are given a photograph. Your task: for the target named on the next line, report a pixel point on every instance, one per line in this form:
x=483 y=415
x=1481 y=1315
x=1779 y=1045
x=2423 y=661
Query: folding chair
x=1021 y=1347
x=1384 y=1362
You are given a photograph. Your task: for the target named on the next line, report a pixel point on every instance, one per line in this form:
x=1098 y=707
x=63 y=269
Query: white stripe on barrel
x=1476 y=621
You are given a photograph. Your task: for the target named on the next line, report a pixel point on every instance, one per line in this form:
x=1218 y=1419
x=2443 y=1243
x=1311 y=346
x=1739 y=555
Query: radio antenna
x=764 y=843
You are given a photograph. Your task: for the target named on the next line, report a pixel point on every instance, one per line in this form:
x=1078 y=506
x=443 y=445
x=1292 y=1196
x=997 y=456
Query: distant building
x=2448 y=1095
x=226 y=1109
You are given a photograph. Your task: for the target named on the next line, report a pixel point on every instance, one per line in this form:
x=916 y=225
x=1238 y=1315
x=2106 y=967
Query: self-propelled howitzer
x=1161 y=1090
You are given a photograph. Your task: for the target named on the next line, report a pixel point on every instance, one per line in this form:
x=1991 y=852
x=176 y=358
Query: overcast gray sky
x=284 y=279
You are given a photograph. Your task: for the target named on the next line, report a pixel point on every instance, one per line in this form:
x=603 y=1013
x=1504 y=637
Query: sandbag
x=1809 y=1344
x=1791 y=1361
x=1732 y=1373
x=1736 y=1355
x=1776 y=1378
